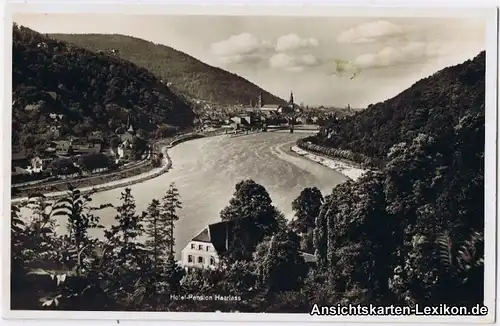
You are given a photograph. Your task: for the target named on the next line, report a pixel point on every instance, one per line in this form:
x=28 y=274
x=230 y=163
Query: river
x=206 y=171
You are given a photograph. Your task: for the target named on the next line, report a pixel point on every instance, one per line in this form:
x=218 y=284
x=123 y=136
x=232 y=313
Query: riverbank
x=350 y=170
x=166 y=164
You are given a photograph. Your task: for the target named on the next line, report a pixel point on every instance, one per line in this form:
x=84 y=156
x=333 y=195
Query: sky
x=337 y=61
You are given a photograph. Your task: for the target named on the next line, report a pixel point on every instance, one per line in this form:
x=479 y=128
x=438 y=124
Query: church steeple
x=130 y=128
x=291 y=98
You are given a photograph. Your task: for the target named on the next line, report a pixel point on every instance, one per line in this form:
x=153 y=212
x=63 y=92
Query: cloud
x=370 y=32
x=292 y=63
x=411 y=53
x=244 y=47
x=291 y=42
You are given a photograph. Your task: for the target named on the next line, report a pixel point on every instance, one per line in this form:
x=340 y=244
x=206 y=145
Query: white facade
x=199 y=254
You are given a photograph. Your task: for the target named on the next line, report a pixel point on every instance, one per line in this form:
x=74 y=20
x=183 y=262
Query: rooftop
x=203 y=236
x=216 y=234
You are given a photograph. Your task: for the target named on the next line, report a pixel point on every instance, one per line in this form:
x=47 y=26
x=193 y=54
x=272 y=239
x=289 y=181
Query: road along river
x=206 y=171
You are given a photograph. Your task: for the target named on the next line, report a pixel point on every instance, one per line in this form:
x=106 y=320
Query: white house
x=124 y=150
x=204 y=249
x=36 y=164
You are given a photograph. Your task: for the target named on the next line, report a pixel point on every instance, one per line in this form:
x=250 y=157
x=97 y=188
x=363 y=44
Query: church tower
x=291 y=98
x=130 y=128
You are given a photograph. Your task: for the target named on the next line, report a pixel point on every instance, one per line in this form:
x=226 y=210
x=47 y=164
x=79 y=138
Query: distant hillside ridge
x=91 y=91
x=179 y=70
x=433 y=105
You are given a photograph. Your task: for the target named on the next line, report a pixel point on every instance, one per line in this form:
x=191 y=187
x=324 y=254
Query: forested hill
x=186 y=74
x=92 y=91
x=433 y=106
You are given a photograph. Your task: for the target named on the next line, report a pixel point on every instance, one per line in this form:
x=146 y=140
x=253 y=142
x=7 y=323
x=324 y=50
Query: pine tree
x=168 y=215
x=127 y=259
x=164 y=275
x=153 y=231
x=129 y=225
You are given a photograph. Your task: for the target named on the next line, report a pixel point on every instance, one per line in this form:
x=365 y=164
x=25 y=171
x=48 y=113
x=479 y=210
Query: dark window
x=190 y=259
x=208 y=247
x=192 y=246
x=200 y=247
x=212 y=261
x=200 y=260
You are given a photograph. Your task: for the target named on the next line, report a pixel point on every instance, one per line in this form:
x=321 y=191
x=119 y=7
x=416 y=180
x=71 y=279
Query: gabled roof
x=203 y=236
x=216 y=234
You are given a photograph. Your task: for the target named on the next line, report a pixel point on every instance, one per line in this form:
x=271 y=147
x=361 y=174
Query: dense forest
x=433 y=105
x=186 y=74
x=90 y=91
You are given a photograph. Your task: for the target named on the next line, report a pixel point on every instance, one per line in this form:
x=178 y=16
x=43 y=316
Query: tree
x=114 y=142
x=155 y=232
x=462 y=278
x=124 y=262
x=280 y=265
x=93 y=161
x=164 y=274
x=129 y=225
x=173 y=274
x=70 y=259
x=307 y=207
x=62 y=166
x=170 y=204
x=166 y=131
x=138 y=146
x=252 y=216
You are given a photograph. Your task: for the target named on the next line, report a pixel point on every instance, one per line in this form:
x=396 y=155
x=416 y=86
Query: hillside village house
x=124 y=150
x=36 y=164
x=61 y=147
x=21 y=164
x=96 y=137
x=84 y=146
x=204 y=250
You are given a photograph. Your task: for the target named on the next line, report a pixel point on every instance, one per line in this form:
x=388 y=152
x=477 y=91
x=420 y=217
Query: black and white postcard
x=268 y=163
